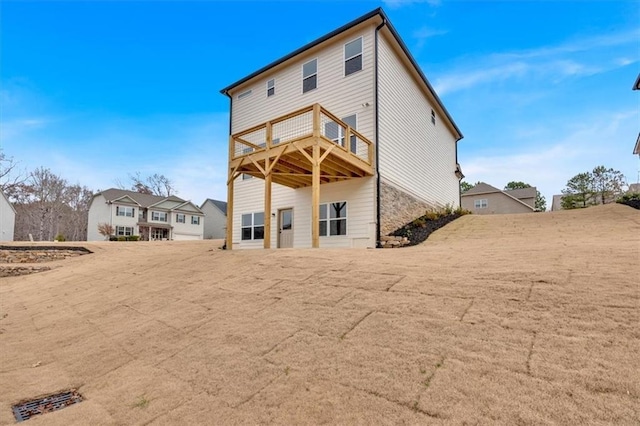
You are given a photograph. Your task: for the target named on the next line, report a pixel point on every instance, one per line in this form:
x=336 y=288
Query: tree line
x=48 y=207
x=600 y=186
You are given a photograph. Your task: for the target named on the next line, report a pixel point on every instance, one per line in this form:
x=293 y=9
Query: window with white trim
x=333 y=219
x=309 y=75
x=180 y=218
x=271 y=87
x=125 y=231
x=481 y=204
x=195 y=220
x=336 y=132
x=124 y=211
x=353 y=56
x=159 y=216
x=253 y=226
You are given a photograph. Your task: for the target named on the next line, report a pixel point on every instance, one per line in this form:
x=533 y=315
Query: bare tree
x=106 y=230
x=11 y=178
x=155 y=184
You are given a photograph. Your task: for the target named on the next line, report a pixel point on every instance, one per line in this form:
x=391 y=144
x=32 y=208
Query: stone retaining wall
x=21 y=255
x=15 y=271
x=397 y=208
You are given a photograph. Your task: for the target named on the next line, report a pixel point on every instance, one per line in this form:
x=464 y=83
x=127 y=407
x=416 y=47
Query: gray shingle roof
x=222 y=205
x=481 y=188
x=523 y=193
x=145 y=200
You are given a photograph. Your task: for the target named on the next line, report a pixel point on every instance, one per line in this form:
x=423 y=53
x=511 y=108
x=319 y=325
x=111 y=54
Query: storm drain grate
x=26 y=410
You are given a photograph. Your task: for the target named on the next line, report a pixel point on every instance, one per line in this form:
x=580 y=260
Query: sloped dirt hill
x=513 y=319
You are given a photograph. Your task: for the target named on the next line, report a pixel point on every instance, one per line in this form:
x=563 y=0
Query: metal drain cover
x=26 y=410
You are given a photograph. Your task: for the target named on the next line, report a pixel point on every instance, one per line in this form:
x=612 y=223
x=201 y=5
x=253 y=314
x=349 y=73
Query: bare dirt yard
x=511 y=319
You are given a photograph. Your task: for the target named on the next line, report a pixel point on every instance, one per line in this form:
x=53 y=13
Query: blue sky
x=96 y=90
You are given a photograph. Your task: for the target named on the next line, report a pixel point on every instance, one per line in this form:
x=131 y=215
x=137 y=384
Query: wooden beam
x=316 y=120
x=244 y=142
x=315 y=198
x=268 y=138
x=233 y=172
x=263 y=171
x=327 y=152
x=267 y=207
x=301 y=149
x=229 y=236
x=274 y=162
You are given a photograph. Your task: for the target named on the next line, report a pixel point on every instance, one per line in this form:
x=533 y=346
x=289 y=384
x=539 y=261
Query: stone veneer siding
x=397 y=208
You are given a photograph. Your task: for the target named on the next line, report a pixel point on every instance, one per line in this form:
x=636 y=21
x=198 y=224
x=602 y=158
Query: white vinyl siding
x=358 y=193
x=341 y=95
x=415 y=155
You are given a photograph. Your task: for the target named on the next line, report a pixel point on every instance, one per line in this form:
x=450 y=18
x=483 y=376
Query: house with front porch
x=337 y=143
x=150 y=217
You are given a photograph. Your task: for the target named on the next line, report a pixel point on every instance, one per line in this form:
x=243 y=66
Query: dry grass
x=519 y=319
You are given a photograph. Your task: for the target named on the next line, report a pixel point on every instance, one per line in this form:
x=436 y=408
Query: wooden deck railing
x=308 y=122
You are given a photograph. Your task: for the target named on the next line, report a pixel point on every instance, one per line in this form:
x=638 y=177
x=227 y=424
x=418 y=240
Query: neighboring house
x=215 y=219
x=7 y=218
x=338 y=143
x=149 y=216
x=486 y=199
x=556 y=204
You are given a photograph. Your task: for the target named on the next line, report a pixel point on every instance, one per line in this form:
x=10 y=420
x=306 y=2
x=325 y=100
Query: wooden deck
x=308 y=147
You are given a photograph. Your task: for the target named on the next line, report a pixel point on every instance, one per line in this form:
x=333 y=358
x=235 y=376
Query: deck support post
x=230 y=180
x=315 y=197
x=267 y=205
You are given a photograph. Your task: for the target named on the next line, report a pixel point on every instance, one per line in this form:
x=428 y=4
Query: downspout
x=230 y=129
x=382 y=24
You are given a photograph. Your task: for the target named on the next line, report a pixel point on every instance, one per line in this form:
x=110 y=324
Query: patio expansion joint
x=466 y=310
x=530 y=353
x=344 y=335
x=406 y=405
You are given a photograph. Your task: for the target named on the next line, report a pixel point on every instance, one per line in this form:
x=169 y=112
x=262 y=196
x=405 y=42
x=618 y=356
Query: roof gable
x=481 y=188
x=143 y=200
x=188 y=207
x=8 y=202
x=377 y=16
x=221 y=205
x=125 y=199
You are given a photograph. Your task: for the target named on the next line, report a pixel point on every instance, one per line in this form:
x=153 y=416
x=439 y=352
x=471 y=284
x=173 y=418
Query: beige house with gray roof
x=148 y=216
x=337 y=143
x=486 y=199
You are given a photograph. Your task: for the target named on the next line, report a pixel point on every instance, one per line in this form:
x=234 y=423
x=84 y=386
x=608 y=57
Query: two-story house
x=149 y=216
x=337 y=143
x=215 y=218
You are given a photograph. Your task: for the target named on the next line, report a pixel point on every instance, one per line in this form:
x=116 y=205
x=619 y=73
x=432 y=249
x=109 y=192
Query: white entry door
x=285 y=228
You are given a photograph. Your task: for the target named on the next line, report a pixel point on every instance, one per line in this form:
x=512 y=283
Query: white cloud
x=569 y=149
x=424 y=33
x=547 y=63
x=395 y=4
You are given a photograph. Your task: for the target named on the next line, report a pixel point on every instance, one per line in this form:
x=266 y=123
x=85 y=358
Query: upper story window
x=309 y=75
x=271 y=87
x=336 y=133
x=159 y=216
x=195 y=220
x=244 y=94
x=481 y=204
x=124 y=211
x=353 y=56
x=433 y=117
x=180 y=218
